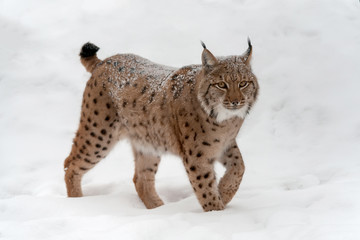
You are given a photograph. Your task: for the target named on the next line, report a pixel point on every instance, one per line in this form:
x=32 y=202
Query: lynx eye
x=243 y=84
x=221 y=85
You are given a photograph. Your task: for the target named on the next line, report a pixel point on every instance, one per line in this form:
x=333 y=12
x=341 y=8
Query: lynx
x=194 y=112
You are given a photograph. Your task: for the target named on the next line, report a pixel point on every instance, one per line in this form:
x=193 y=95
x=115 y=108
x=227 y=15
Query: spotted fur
x=194 y=112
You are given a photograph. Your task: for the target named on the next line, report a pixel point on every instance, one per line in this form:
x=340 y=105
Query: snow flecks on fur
x=126 y=69
x=238 y=62
x=185 y=75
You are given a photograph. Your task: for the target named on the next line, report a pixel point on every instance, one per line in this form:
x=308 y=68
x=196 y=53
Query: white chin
x=225 y=114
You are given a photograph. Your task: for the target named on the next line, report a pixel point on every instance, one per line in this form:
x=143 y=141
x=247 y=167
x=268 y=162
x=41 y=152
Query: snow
x=300 y=143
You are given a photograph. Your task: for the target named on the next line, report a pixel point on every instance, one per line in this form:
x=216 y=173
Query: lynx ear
x=247 y=55
x=208 y=59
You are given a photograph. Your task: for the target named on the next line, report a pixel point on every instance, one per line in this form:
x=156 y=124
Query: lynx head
x=227 y=86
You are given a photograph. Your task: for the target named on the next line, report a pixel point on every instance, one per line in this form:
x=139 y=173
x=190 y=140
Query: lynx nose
x=235 y=103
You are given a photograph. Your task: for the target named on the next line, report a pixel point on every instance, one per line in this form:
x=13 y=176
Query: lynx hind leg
x=144 y=178
x=234 y=164
x=97 y=133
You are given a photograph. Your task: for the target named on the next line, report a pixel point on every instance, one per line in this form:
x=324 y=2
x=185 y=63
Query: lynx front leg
x=144 y=179
x=235 y=168
x=202 y=178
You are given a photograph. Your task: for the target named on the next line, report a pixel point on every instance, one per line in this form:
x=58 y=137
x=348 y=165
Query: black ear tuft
x=203 y=44
x=247 y=55
x=249 y=43
x=88 y=50
x=248 y=51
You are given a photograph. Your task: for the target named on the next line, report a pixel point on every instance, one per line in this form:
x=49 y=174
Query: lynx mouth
x=237 y=107
x=224 y=112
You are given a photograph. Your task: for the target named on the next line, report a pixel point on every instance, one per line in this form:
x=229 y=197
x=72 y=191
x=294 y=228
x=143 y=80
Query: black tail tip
x=88 y=50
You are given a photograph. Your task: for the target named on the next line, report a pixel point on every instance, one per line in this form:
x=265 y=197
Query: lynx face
x=228 y=87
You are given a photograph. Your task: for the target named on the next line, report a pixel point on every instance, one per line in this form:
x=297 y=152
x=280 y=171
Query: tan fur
x=186 y=112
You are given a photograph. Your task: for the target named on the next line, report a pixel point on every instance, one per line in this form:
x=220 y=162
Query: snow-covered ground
x=301 y=143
